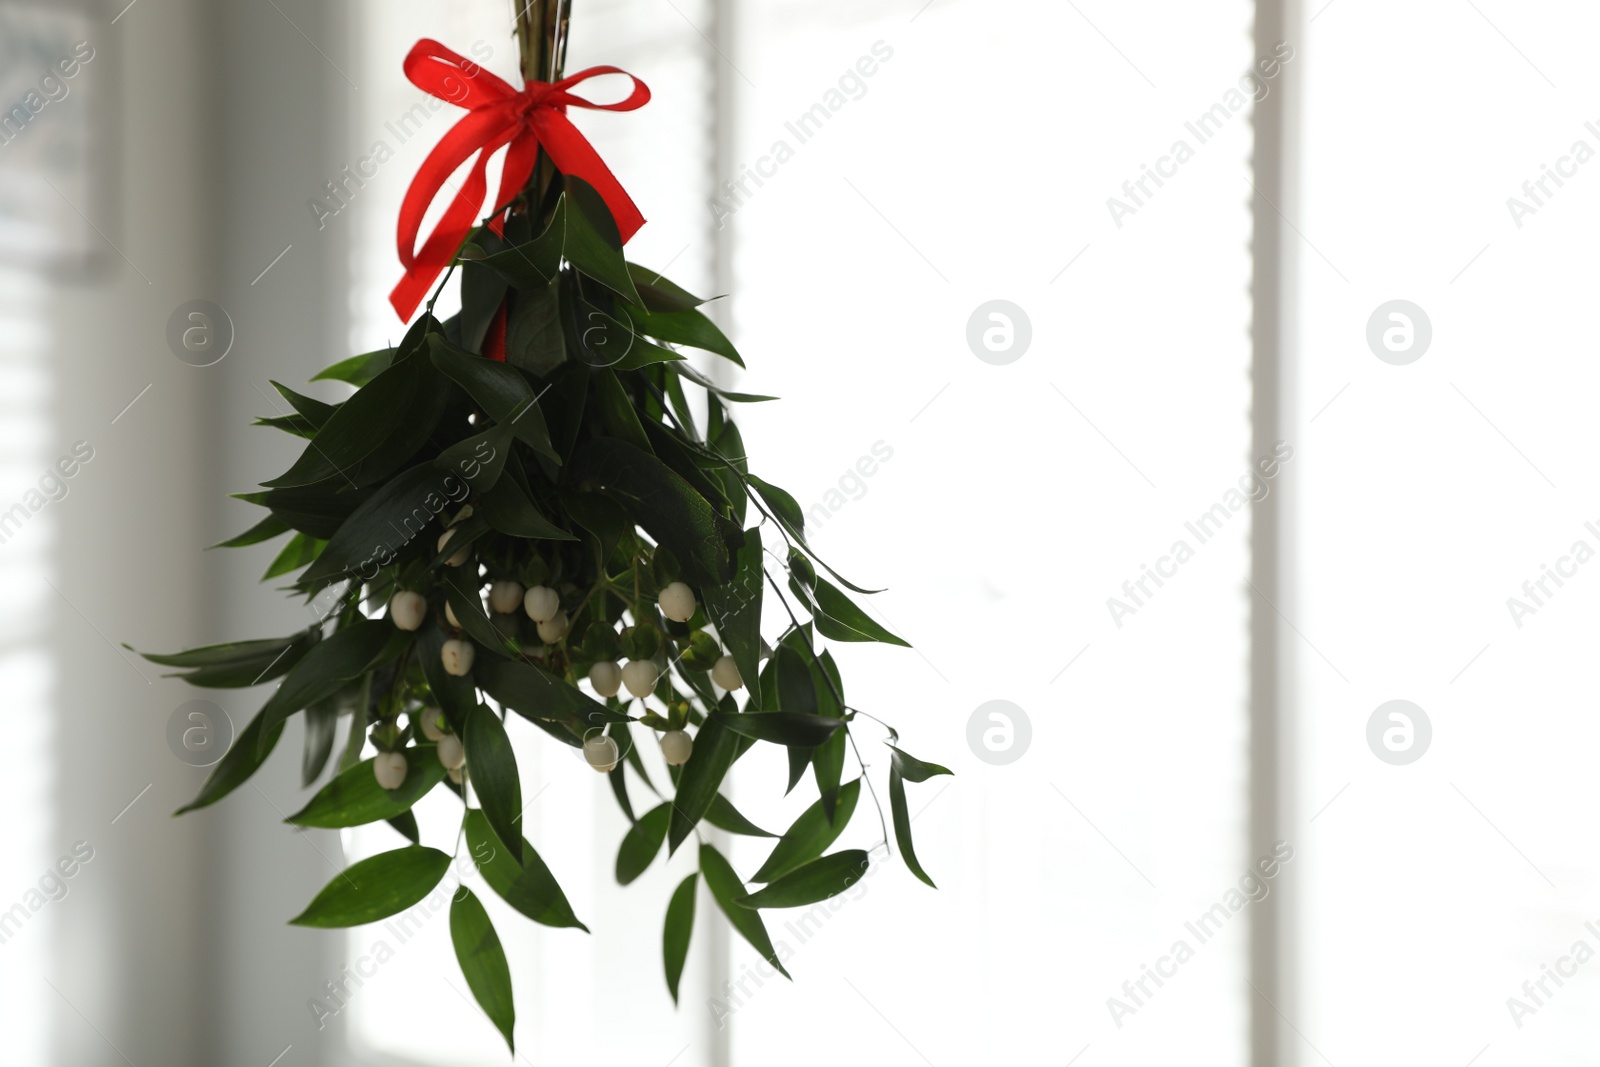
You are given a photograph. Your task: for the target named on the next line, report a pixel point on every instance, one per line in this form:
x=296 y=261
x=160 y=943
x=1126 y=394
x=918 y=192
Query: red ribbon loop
x=497 y=116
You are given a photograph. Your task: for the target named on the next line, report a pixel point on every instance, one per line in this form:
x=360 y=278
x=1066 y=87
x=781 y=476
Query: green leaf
x=322 y=722
x=265 y=530
x=900 y=764
x=661 y=294
x=376 y=888
x=793 y=728
x=377 y=419
x=317 y=510
x=533 y=264
x=300 y=551
x=724 y=816
x=405 y=824
x=483 y=961
x=797 y=690
x=827 y=765
x=480 y=458
x=467 y=604
x=715 y=748
x=313 y=411
x=326 y=667
x=250 y=750
x=662 y=502
x=810 y=835
x=529 y=887
x=494 y=776
x=817 y=880
x=358 y=370
x=690 y=327
x=238 y=664
x=607 y=341
x=728 y=890
x=508 y=509
x=616 y=411
x=675 y=936
x=501 y=390
x=482 y=293
x=686 y=370
x=641 y=843
x=354 y=797
x=592 y=242
x=782 y=504
x=389 y=520
x=913 y=769
x=535 y=340
x=535 y=693
x=838 y=617
x=734 y=607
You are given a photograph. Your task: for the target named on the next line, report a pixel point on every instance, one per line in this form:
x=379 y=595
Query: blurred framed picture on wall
x=56 y=146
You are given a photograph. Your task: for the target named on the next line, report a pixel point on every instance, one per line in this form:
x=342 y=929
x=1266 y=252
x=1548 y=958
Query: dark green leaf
x=817 y=880
x=715 y=748
x=533 y=264
x=660 y=294
x=839 y=618
x=902 y=814
x=326 y=667
x=675 y=936
x=300 y=551
x=727 y=890
x=641 y=843
x=378 y=416
x=724 y=816
x=509 y=508
x=355 y=798
x=535 y=693
x=322 y=722
x=265 y=530
x=530 y=888
x=483 y=961
x=238 y=664
x=482 y=293
x=913 y=769
x=494 y=776
x=592 y=242
x=405 y=824
x=467 y=604
x=313 y=411
x=792 y=728
x=810 y=835
x=686 y=370
x=663 y=503
x=250 y=750
x=387 y=522
x=501 y=390
x=480 y=458
x=455 y=695
x=782 y=504
x=358 y=370
x=734 y=607
x=616 y=411
x=690 y=327
x=535 y=340
x=376 y=888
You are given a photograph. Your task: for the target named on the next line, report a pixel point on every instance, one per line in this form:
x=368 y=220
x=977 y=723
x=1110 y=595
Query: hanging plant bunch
x=517 y=516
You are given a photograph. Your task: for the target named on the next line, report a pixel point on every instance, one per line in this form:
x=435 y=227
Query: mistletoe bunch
x=622 y=547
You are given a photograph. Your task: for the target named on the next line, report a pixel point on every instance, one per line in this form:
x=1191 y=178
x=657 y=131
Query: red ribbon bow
x=497 y=116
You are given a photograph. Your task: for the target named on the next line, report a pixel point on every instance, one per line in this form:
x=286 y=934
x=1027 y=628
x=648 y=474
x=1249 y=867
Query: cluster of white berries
x=543 y=606
x=408 y=610
x=390 y=767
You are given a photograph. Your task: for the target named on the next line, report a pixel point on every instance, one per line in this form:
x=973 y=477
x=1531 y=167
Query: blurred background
x=1200 y=378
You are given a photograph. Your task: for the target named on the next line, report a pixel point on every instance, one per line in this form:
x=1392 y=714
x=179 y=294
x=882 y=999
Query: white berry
x=606 y=677
x=676 y=746
x=458 y=656
x=460 y=557
x=454 y=773
x=450 y=615
x=554 y=628
x=428 y=720
x=677 y=602
x=504 y=597
x=640 y=677
x=601 y=753
x=408 y=609
x=541 y=603
x=451 y=754
x=725 y=672
x=390 y=769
